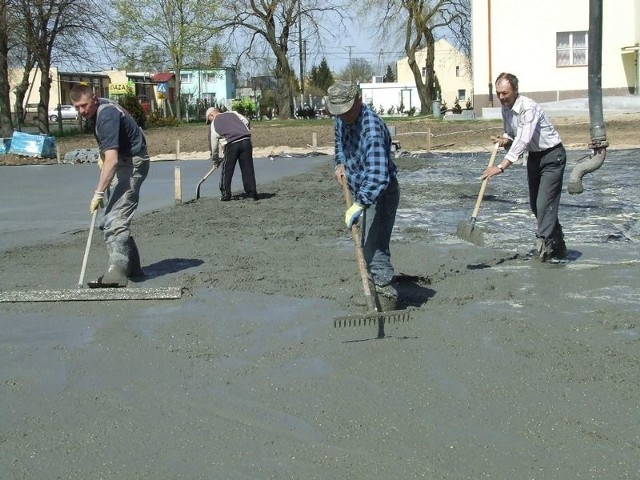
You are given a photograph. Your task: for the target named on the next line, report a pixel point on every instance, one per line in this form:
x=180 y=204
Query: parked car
x=68 y=113
x=145 y=103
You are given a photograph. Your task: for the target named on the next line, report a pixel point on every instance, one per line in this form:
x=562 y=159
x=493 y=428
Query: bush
x=411 y=111
x=245 y=107
x=156 y=120
x=132 y=105
x=443 y=107
x=468 y=105
x=456 y=107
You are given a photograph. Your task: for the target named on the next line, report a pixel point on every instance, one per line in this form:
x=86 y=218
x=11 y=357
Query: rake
x=376 y=315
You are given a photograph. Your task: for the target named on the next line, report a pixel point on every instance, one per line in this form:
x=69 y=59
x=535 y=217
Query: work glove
x=100 y=160
x=352 y=214
x=216 y=161
x=96 y=202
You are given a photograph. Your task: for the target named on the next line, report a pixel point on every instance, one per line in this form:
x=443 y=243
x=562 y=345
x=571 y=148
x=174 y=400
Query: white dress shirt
x=529 y=128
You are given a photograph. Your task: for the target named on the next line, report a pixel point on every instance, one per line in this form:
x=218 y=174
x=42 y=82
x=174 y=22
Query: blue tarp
x=5 y=144
x=43 y=146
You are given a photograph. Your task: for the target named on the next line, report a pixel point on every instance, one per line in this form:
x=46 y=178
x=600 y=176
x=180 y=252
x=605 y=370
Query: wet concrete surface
x=43 y=202
x=509 y=367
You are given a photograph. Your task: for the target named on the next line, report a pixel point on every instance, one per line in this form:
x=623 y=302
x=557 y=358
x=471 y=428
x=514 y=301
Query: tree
x=320 y=78
x=270 y=25
x=358 y=70
x=49 y=29
x=390 y=76
x=6 y=124
x=180 y=29
x=420 y=23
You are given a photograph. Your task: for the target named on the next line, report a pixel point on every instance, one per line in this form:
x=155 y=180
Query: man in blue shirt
x=363 y=158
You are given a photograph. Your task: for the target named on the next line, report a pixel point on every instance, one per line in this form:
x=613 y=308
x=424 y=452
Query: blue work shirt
x=364 y=148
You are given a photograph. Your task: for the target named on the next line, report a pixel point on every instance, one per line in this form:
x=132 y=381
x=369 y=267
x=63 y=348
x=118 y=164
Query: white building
x=451 y=67
x=545 y=44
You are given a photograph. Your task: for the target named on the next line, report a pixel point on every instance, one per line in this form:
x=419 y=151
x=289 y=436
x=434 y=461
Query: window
x=457 y=71
x=571 y=49
x=186 y=78
x=462 y=95
x=210 y=77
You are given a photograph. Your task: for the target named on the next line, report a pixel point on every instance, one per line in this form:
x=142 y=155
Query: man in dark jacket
x=230 y=133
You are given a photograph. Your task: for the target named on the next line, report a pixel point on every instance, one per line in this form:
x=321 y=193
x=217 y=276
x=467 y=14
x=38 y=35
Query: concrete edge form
x=92 y=294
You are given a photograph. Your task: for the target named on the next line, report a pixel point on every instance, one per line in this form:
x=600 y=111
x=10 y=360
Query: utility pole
x=350 y=66
x=301 y=57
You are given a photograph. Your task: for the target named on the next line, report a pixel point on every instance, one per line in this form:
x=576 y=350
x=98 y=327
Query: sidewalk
x=579 y=106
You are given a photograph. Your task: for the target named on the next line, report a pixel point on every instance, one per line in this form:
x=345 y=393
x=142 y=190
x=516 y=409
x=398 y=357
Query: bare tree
x=50 y=29
x=6 y=124
x=273 y=24
x=358 y=70
x=421 y=23
x=182 y=29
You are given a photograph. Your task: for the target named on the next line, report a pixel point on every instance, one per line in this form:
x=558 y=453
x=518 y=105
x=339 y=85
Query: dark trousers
x=238 y=152
x=545 y=171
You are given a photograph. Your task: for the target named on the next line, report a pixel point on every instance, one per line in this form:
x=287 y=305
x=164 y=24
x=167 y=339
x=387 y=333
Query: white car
x=68 y=112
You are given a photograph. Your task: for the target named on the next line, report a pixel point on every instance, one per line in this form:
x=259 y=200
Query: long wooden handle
x=86 y=250
x=483 y=187
x=362 y=266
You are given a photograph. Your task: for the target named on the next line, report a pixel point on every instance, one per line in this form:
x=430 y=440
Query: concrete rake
x=92 y=294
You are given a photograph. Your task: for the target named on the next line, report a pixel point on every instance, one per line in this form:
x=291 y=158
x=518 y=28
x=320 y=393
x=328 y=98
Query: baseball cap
x=340 y=97
x=210 y=110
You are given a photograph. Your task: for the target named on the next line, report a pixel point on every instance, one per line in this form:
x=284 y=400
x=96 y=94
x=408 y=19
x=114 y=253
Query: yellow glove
x=352 y=214
x=100 y=160
x=96 y=202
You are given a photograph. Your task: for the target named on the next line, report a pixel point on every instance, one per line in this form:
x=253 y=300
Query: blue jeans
x=378 y=221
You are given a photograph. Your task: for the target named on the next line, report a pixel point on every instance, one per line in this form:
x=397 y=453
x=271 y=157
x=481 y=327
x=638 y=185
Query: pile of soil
x=420 y=134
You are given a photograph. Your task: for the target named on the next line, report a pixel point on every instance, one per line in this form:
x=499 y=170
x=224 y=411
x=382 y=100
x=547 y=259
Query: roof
x=162 y=77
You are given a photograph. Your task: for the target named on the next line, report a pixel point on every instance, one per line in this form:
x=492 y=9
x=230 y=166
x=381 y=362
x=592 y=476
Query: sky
x=356 y=43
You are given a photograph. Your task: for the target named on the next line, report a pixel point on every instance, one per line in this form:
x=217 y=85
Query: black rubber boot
x=134 y=268
x=116 y=274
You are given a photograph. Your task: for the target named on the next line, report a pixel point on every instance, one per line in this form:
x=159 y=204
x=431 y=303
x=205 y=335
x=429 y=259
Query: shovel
x=468 y=231
x=203 y=179
x=376 y=316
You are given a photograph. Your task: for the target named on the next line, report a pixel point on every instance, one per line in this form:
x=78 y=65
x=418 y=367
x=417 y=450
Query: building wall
x=451 y=67
x=61 y=83
x=387 y=95
x=211 y=85
x=519 y=36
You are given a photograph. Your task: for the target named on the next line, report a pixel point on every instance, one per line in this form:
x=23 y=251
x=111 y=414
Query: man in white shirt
x=527 y=128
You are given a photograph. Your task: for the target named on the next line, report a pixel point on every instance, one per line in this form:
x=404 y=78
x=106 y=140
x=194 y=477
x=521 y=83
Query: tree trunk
x=426 y=88
x=284 y=99
x=42 y=121
x=6 y=125
x=21 y=90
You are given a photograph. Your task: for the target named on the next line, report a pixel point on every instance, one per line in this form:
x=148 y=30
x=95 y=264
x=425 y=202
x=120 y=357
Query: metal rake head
x=396 y=316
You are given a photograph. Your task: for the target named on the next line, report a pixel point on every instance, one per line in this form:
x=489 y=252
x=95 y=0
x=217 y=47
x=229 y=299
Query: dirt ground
x=508 y=369
x=274 y=137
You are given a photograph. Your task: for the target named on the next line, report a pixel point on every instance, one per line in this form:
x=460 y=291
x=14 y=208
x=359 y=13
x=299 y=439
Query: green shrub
x=456 y=107
x=155 y=119
x=245 y=107
x=131 y=104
